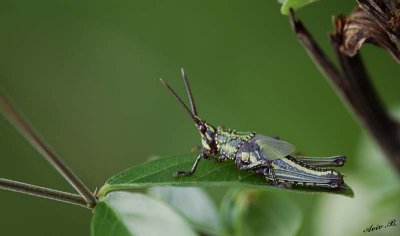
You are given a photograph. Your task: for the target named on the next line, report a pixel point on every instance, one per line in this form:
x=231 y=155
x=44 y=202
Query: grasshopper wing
x=272 y=148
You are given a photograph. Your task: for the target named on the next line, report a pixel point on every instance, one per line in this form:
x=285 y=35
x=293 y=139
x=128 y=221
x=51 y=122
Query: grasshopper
x=271 y=157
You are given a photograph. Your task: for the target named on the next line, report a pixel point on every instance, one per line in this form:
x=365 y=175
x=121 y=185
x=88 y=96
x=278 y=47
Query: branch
x=38 y=143
x=322 y=62
x=353 y=85
x=42 y=192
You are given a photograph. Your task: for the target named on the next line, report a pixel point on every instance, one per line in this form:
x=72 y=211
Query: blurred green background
x=86 y=75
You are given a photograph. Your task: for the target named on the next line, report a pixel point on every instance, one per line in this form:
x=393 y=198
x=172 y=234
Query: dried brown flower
x=373 y=21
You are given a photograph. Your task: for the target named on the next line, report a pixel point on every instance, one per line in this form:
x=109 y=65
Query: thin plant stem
x=42 y=192
x=40 y=145
x=324 y=65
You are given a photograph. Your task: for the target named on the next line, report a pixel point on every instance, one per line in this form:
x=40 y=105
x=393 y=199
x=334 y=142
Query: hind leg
x=269 y=174
x=334 y=161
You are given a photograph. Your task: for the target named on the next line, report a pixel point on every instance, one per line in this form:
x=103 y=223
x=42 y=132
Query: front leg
x=196 y=163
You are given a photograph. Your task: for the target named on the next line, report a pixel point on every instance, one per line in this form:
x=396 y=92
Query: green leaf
x=209 y=173
x=194 y=204
x=295 y=4
x=126 y=214
x=231 y=209
x=255 y=212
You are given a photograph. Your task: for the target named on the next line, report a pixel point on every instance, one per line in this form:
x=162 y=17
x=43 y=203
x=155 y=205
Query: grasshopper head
x=207 y=133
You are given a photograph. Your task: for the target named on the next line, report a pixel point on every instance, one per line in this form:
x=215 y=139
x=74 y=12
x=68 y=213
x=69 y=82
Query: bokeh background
x=86 y=75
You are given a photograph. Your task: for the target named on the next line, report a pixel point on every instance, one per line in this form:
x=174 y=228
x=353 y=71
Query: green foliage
x=255 y=212
x=189 y=211
x=209 y=173
x=123 y=214
x=295 y=4
x=174 y=210
x=78 y=47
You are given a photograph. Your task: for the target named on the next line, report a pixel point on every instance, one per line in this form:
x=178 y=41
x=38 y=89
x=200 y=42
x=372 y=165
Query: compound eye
x=203 y=128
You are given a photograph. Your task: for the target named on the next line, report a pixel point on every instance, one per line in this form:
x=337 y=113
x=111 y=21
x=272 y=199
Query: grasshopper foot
x=182 y=173
x=284 y=185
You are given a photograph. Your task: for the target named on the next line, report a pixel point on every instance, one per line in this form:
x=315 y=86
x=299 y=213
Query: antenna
x=179 y=99
x=189 y=92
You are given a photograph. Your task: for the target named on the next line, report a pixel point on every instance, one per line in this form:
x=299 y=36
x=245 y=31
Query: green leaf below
x=255 y=212
x=194 y=204
x=209 y=173
x=127 y=214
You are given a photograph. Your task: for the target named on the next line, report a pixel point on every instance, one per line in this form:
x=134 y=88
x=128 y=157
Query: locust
x=271 y=157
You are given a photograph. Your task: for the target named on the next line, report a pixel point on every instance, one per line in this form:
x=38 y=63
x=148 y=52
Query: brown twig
x=40 y=145
x=42 y=192
x=353 y=85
